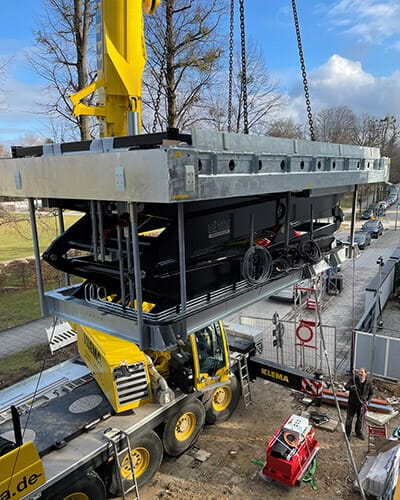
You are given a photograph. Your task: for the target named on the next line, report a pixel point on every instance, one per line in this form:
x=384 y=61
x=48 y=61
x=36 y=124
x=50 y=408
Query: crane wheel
x=88 y=486
x=147 y=455
x=223 y=402
x=183 y=428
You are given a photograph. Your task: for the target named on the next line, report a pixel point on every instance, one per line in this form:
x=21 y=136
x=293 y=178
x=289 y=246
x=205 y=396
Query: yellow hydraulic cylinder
x=121 y=54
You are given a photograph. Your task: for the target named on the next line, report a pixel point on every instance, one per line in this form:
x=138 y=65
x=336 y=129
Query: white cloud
x=342 y=82
x=368 y=21
x=338 y=71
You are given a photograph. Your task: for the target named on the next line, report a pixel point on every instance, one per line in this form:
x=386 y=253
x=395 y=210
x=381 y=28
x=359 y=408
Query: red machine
x=290 y=451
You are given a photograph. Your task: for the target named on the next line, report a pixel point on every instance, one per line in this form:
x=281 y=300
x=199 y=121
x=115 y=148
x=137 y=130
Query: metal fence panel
x=393 y=357
x=386 y=354
x=305 y=356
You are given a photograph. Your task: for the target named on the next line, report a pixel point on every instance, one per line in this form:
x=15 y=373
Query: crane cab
x=210 y=356
x=202 y=362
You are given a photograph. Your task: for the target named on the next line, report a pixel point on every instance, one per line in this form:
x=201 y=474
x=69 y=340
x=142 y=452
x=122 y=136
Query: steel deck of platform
x=216 y=165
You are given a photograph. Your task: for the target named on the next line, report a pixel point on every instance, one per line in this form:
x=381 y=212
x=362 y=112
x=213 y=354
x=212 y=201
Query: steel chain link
x=244 y=68
x=231 y=33
x=158 y=95
x=303 y=71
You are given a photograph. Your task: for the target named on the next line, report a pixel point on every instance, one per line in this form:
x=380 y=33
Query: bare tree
x=383 y=133
x=263 y=99
x=4 y=152
x=389 y=134
x=366 y=131
x=3 y=66
x=395 y=165
x=65 y=58
x=286 y=127
x=335 y=125
x=183 y=53
x=389 y=143
x=30 y=139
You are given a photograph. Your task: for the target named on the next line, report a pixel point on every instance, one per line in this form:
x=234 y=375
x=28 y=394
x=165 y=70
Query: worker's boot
x=360 y=435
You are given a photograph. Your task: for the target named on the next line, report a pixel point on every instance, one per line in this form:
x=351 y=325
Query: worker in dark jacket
x=360 y=393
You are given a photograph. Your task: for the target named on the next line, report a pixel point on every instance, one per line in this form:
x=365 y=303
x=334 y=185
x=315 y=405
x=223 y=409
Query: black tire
x=147 y=455
x=87 y=486
x=223 y=402
x=183 y=428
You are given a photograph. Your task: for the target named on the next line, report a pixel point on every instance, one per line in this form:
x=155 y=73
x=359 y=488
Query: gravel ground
x=229 y=471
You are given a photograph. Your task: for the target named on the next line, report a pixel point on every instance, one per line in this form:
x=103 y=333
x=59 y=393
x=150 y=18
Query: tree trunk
x=82 y=25
x=169 y=65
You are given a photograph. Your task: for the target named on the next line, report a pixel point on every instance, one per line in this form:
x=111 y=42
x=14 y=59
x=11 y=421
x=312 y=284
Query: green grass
x=24 y=360
x=17 y=308
x=16 y=237
x=20 y=306
x=23 y=364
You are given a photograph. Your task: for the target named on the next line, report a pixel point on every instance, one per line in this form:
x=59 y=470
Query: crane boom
x=121 y=59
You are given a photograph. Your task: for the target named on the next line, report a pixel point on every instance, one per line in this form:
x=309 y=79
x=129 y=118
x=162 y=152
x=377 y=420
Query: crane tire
x=88 y=486
x=223 y=402
x=183 y=428
x=147 y=455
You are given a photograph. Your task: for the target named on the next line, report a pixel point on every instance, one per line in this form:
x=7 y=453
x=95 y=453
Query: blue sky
x=351 y=48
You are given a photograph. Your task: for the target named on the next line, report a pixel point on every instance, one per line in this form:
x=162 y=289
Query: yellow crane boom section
x=121 y=60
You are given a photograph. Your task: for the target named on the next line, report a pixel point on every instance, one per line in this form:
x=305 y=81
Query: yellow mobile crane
x=119 y=86
x=121 y=61
x=177 y=231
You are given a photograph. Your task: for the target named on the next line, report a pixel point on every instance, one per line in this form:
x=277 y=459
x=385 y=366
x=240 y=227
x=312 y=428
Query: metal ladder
x=127 y=485
x=244 y=379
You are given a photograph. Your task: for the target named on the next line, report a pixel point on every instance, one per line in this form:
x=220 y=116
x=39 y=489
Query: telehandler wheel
x=184 y=427
x=87 y=486
x=147 y=455
x=223 y=402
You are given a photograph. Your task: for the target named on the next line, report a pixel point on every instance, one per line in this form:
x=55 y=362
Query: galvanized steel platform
x=299 y=182
x=215 y=165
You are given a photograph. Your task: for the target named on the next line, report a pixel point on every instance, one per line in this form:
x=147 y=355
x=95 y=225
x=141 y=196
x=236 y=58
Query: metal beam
x=123 y=322
x=219 y=166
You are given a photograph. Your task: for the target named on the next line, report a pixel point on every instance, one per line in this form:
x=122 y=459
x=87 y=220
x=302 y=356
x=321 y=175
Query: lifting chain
x=303 y=71
x=244 y=68
x=158 y=95
x=231 y=33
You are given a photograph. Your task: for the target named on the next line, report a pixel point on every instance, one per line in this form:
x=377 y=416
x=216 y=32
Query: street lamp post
x=376 y=312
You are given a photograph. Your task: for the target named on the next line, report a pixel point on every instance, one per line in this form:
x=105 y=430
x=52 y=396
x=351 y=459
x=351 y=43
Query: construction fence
x=380 y=354
x=302 y=345
x=375 y=347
